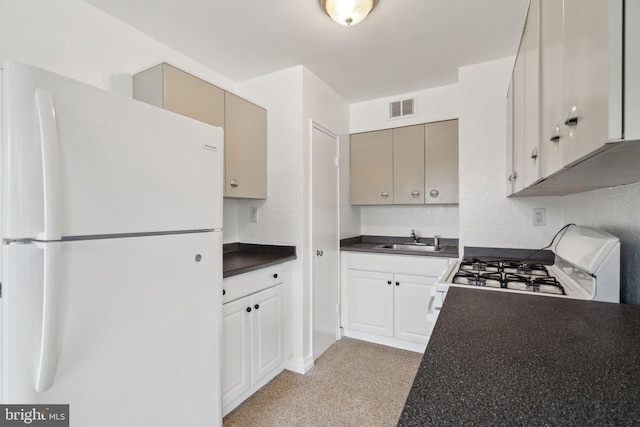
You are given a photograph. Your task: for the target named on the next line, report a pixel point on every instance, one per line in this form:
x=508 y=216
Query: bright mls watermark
x=34 y=415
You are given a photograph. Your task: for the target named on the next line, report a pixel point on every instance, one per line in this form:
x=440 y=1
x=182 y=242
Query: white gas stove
x=586 y=266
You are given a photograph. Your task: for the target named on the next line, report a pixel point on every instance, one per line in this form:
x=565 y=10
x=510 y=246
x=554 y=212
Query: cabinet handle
x=275 y=275
x=510 y=177
x=555 y=135
x=388 y=282
x=233 y=183
x=397 y=283
x=224 y=292
x=415 y=194
x=248 y=309
x=572 y=116
x=257 y=306
x=534 y=153
x=434 y=193
x=515 y=175
x=384 y=194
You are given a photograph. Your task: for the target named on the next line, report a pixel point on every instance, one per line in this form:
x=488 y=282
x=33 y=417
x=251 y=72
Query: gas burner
x=524 y=268
x=547 y=284
x=489 y=279
x=480 y=266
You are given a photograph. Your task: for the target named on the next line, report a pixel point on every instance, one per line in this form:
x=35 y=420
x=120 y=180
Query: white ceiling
x=402 y=46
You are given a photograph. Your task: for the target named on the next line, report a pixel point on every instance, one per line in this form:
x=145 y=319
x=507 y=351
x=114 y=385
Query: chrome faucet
x=436 y=240
x=414 y=236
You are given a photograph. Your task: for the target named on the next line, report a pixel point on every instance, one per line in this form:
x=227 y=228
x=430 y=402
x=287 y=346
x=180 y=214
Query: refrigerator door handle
x=50 y=165
x=48 y=358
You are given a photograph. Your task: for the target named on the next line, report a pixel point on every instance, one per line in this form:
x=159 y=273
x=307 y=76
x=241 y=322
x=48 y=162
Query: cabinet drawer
x=249 y=283
x=404 y=264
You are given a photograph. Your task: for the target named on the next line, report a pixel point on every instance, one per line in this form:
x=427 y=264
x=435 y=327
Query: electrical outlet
x=253 y=214
x=539 y=216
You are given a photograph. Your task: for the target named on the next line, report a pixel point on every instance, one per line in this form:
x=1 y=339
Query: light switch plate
x=253 y=214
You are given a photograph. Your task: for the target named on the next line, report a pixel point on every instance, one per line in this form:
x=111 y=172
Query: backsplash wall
x=400 y=220
x=614 y=210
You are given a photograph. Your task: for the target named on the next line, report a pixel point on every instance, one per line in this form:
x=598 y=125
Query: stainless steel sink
x=416 y=247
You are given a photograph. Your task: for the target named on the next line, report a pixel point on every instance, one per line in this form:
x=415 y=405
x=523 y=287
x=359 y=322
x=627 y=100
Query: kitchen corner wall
x=432 y=105
x=293 y=98
x=487 y=217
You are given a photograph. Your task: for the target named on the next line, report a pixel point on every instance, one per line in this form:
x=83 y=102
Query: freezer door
x=134 y=329
x=81 y=161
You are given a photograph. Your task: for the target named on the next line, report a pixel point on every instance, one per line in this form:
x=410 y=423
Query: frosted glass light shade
x=348 y=12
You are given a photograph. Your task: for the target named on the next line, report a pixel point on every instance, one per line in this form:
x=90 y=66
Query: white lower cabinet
x=253 y=344
x=390 y=306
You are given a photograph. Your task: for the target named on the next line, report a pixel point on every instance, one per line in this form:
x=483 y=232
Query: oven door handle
x=432 y=298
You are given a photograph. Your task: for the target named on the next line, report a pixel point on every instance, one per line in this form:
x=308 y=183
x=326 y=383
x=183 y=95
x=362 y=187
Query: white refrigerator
x=111 y=225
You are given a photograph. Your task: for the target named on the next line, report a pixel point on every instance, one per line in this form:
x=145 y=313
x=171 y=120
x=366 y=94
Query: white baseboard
x=391 y=342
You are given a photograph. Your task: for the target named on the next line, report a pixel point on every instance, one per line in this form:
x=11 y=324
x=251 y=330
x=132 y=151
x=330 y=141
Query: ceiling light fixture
x=348 y=12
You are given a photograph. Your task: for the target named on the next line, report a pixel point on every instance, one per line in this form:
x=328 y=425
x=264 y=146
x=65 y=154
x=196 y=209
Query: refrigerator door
x=132 y=329
x=81 y=161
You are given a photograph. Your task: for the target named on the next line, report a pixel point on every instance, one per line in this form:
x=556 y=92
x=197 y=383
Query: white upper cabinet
x=592 y=76
x=551 y=86
x=587 y=136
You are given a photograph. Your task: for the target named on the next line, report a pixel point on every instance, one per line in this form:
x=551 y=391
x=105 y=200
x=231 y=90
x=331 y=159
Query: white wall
x=73 y=38
x=487 y=217
x=432 y=105
x=615 y=210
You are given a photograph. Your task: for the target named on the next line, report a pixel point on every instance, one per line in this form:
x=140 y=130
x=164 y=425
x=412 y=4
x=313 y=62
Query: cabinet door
x=509 y=191
x=236 y=349
x=371 y=302
x=586 y=80
x=266 y=331
x=532 y=95
x=245 y=133
x=372 y=168
x=518 y=118
x=192 y=97
x=441 y=162
x=411 y=303
x=552 y=131
x=408 y=165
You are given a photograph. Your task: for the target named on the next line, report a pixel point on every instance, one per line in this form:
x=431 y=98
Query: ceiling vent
x=402 y=108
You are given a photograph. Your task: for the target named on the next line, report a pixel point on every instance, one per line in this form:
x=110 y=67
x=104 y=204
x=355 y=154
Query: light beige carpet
x=354 y=383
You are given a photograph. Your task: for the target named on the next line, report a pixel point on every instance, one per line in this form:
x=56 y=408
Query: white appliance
x=586 y=266
x=111 y=255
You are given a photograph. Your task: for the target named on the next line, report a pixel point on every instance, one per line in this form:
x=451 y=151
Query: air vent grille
x=402 y=108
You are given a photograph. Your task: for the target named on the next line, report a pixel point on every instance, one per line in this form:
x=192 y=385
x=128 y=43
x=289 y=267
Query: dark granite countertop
x=241 y=258
x=498 y=358
x=369 y=243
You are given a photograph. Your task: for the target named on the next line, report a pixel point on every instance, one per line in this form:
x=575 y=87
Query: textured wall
x=487 y=217
x=400 y=220
x=615 y=210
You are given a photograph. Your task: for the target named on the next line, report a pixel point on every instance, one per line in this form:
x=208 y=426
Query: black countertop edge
x=241 y=258
x=367 y=243
x=495 y=254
